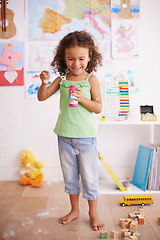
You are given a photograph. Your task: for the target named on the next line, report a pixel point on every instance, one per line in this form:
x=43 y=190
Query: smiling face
x=77 y=59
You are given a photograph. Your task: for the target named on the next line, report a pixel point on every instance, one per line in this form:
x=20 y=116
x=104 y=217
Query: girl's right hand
x=45 y=76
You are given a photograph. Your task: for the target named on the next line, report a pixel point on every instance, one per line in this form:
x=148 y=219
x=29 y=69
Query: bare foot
x=96 y=223
x=69 y=217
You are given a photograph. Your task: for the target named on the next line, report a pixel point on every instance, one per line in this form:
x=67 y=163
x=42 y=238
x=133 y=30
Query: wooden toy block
x=124 y=230
x=103 y=234
x=130 y=215
x=133 y=225
x=138 y=235
x=136 y=212
x=124 y=224
x=129 y=220
x=159 y=219
x=140 y=209
x=126 y=238
x=142 y=213
x=127 y=234
x=133 y=238
x=114 y=233
x=133 y=231
x=135 y=217
x=140 y=219
x=120 y=221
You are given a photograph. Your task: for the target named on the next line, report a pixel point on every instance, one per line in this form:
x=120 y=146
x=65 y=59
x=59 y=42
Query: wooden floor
x=28 y=213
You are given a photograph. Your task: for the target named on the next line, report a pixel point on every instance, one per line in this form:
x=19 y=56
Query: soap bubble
x=40 y=231
x=9 y=234
x=42 y=214
x=75 y=151
x=54 y=208
x=27 y=223
x=55 y=180
x=50 y=183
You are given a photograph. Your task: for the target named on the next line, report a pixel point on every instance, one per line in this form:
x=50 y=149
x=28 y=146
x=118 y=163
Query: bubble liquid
x=72 y=98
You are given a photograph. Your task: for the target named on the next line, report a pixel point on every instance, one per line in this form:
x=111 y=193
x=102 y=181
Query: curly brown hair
x=81 y=39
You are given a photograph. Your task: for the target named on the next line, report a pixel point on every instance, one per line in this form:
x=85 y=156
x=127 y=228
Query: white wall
x=28 y=124
x=119 y=144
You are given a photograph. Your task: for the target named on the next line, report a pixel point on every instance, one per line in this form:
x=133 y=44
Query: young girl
x=76 y=57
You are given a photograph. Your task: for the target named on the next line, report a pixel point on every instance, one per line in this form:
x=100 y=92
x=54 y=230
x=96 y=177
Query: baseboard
x=11 y=173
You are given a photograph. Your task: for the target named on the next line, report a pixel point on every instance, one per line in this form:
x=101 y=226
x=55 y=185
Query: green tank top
x=75 y=122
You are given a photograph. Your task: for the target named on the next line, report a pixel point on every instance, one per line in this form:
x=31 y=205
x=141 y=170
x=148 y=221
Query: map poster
x=54 y=19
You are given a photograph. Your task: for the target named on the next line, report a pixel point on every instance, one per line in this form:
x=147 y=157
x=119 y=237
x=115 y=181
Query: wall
x=119 y=144
x=28 y=124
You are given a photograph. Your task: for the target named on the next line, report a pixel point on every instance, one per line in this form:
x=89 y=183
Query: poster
x=125 y=28
x=15 y=21
x=33 y=82
x=41 y=54
x=54 y=19
x=12 y=63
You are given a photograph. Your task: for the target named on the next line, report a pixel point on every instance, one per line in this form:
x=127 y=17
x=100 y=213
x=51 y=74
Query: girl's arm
x=95 y=104
x=45 y=92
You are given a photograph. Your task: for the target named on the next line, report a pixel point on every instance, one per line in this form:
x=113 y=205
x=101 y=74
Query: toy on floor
x=103 y=234
x=130 y=225
x=111 y=172
x=32 y=173
x=114 y=233
x=137 y=199
x=125 y=185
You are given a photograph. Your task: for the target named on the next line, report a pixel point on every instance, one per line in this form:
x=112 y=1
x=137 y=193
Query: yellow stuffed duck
x=32 y=173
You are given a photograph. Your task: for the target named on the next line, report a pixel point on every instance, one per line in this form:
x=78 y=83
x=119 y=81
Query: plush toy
x=32 y=173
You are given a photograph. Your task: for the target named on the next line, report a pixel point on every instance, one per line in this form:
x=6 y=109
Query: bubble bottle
x=72 y=98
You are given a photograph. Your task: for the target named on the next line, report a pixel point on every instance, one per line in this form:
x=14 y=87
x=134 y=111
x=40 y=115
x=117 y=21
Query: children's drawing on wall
x=12 y=64
x=33 y=82
x=124 y=38
x=41 y=54
x=54 y=19
x=125 y=9
x=13 y=24
x=125 y=19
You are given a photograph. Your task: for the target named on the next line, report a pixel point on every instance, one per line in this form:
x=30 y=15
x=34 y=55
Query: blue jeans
x=79 y=159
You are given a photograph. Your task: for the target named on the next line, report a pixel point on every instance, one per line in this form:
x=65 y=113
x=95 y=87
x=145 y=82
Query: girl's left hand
x=79 y=94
